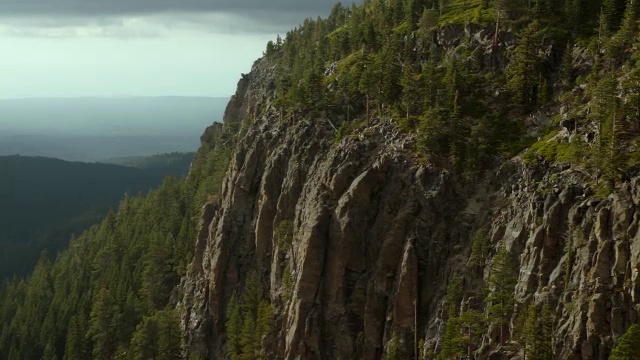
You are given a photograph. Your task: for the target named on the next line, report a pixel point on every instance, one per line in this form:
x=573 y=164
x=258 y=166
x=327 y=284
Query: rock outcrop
x=376 y=233
x=577 y=253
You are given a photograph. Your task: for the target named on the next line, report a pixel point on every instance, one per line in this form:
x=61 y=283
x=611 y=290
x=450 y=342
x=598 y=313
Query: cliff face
x=358 y=207
x=577 y=253
x=373 y=234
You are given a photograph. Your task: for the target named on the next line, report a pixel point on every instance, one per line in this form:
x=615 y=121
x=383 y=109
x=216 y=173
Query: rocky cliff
x=575 y=252
x=373 y=234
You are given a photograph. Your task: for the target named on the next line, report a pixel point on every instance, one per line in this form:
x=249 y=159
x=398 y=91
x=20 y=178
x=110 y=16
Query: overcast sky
x=69 y=48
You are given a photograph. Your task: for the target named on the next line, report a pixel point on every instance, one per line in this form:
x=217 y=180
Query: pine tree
x=252 y=295
x=346 y=93
x=102 y=325
x=249 y=342
x=538 y=333
x=572 y=14
x=546 y=334
x=284 y=235
x=390 y=79
x=454 y=295
x=33 y=312
x=50 y=352
x=169 y=337
x=233 y=328
x=506 y=10
x=271 y=48
x=480 y=248
x=530 y=331
x=617 y=49
x=263 y=326
x=628 y=345
x=566 y=69
x=432 y=78
x=613 y=13
x=370 y=83
x=472 y=326
x=158 y=271
x=393 y=349
x=524 y=72
x=453 y=345
x=502 y=280
x=456 y=139
x=605 y=111
x=428 y=20
x=157 y=337
x=411 y=91
x=631 y=15
x=75 y=346
x=144 y=340
x=433 y=132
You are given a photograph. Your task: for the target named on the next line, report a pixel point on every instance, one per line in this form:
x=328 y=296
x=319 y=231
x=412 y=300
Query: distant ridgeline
x=43 y=201
x=175 y=162
x=406 y=109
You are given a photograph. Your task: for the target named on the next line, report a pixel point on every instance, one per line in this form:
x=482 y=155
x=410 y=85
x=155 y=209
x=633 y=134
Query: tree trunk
x=495 y=37
x=367 y=109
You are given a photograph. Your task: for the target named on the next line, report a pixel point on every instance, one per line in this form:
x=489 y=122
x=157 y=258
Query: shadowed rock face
x=377 y=235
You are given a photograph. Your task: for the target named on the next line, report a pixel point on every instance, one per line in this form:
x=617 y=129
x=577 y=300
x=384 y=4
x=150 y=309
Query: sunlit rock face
x=375 y=233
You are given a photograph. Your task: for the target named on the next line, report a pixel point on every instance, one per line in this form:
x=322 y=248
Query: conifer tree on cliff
x=628 y=345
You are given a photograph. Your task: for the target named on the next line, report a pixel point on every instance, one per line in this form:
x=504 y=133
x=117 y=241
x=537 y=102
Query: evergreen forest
x=44 y=201
x=475 y=81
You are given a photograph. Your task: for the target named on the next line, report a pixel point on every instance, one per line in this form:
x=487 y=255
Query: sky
x=113 y=48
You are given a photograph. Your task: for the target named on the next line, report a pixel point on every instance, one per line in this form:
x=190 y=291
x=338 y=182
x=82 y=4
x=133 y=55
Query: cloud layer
x=140 y=26
x=131 y=18
x=129 y=7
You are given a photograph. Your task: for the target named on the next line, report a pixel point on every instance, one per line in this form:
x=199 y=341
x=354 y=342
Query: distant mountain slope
x=176 y=161
x=44 y=200
x=141 y=250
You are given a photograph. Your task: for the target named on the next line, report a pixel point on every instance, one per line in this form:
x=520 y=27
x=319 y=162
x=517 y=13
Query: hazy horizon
x=109 y=116
x=99 y=128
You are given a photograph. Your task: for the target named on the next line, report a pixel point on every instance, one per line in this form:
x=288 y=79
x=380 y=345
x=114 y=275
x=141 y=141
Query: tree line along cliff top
x=476 y=80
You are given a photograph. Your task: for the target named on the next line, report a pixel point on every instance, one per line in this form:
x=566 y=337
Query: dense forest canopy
x=43 y=201
x=476 y=81
x=108 y=291
x=469 y=92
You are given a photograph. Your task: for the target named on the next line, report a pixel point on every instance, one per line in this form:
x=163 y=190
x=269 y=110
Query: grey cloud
x=55 y=17
x=143 y=26
x=133 y=7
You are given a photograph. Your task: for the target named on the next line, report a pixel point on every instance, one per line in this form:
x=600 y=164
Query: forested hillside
x=107 y=295
x=44 y=201
x=406 y=179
